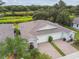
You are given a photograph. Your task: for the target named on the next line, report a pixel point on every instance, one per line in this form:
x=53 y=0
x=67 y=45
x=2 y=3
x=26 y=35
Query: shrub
x=50 y=39
x=43 y=56
x=76 y=42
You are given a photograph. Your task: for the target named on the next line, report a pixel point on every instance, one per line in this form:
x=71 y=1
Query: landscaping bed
x=76 y=46
x=55 y=46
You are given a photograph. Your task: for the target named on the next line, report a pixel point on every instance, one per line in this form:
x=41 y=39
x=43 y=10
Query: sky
x=39 y=2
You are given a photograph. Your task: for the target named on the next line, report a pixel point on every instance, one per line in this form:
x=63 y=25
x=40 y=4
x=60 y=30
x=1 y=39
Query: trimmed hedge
x=54 y=45
x=19 y=14
x=50 y=39
x=16 y=19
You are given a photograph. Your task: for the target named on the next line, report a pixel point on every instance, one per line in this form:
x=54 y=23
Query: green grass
x=77 y=32
x=15 y=19
x=55 y=46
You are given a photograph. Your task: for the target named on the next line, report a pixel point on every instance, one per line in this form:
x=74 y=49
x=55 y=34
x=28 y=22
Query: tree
x=62 y=4
x=77 y=10
x=13 y=9
x=41 y=15
x=64 y=17
x=34 y=53
x=53 y=14
x=56 y=6
x=15 y=48
x=2 y=9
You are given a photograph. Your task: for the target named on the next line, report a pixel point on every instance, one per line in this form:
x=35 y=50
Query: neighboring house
x=6 y=30
x=39 y=31
x=76 y=23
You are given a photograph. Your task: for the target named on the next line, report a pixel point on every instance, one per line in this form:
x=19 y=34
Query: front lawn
x=15 y=19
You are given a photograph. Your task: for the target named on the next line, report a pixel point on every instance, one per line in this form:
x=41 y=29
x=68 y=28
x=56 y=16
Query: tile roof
x=6 y=30
x=31 y=29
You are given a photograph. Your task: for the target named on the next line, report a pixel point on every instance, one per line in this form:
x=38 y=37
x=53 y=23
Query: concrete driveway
x=65 y=47
x=47 y=48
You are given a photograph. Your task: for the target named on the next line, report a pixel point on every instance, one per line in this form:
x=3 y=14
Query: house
x=39 y=31
x=6 y=30
x=76 y=23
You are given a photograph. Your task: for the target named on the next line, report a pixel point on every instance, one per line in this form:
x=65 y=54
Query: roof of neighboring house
x=6 y=30
x=76 y=20
x=33 y=28
x=71 y=56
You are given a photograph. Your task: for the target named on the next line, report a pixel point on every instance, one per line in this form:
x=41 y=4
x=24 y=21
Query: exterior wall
x=75 y=26
x=44 y=38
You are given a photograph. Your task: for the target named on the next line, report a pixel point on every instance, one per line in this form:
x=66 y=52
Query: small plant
x=50 y=39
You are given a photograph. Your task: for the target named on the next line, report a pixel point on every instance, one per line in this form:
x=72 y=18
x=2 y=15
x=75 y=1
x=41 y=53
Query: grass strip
x=54 y=45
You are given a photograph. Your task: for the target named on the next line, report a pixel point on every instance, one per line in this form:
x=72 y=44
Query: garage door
x=44 y=38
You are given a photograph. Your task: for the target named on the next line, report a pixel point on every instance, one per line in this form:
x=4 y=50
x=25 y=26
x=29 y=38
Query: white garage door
x=44 y=38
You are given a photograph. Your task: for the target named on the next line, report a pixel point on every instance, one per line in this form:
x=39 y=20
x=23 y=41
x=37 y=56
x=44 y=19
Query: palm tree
x=15 y=48
x=34 y=53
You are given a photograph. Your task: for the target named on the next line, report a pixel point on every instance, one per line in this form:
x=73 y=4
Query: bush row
x=9 y=20
x=19 y=14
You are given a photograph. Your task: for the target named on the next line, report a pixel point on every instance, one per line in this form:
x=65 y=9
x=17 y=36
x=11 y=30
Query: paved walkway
x=65 y=47
x=71 y=56
x=47 y=48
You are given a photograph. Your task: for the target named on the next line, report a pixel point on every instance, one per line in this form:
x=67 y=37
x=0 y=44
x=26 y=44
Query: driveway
x=65 y=47
x=47 y=48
